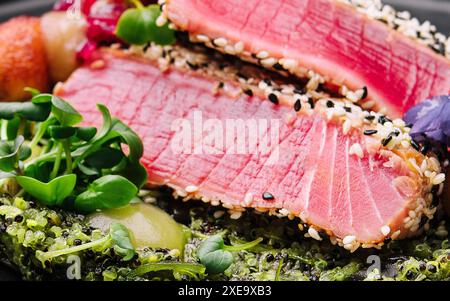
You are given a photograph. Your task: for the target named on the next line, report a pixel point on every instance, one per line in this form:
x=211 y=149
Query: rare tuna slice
x=340 y=170
x=328 y=41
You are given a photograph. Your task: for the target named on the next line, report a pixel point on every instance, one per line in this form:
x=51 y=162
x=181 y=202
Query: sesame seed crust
x=388 y=138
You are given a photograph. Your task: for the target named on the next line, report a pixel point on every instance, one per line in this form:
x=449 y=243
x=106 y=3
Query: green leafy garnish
x=110 y=191
x=54 y=159
x=52 y=193
x=122 y=242
x=9 y=154
x=27 y=110
x=216 y=256
x=138 y=26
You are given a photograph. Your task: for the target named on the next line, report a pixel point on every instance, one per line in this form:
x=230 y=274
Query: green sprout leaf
x=111 y=191
x=9 y=154
x=28 y=110
x=58 y=132
x=138 y=26
x=86 y=133
x=216 y=256
x=105 y=157
x=122 y=241
x=64 y=112
x=52 y=193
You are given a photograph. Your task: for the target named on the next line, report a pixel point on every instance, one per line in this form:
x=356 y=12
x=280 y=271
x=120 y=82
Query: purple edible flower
x=431 y=120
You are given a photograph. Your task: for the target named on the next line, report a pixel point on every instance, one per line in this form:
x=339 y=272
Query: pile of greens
x=44 y=153
x=273 y=249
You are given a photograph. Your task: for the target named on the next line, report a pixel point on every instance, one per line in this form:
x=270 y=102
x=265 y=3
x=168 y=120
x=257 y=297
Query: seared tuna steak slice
x=324 y=40
x=341 y=170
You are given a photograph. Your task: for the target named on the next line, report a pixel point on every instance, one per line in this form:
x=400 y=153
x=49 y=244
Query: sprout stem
x=57 y=162
x=52 y=254
x=66 y=147
x=245 y=246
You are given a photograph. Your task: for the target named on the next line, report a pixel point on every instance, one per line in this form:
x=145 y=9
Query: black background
x=437 y=11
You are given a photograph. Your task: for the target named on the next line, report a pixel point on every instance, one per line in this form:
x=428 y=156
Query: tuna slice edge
x=329 y=37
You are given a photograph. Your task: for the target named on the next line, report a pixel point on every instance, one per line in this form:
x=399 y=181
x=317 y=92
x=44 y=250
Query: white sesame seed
x=314 y=234
x=349 y=239
x=229 y=49
x=356 y=149
x=191 y=189
x=262 y=55
x=219 y=214
x=348 y=247
x=248 y=199
x=239 y=47
x=202 y=38
x=288 y=63
x=236 y=215
x=385 y=230
x=161 y=20
x=438 y=179
x=221 y=42
x=268 y=62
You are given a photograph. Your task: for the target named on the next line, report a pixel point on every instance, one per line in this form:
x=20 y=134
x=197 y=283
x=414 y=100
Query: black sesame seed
x=298 y=105
x=77 y=242
x=65 y=234
x=270 y=257
x=249 y=92
x=278 y=67
x=383 y=119
x=370 y=132
x=87 y=230
x=422 y=266
x=192 y=65
x=387 y=140
x=273 y=98
x=268 y=196
x=431 y=268
x=409 y=275
x=347 y=109
x=267 y=81
x=311 y=102
x=365 y=93
x=18 y=218
x=370 y=117
x=330 y=104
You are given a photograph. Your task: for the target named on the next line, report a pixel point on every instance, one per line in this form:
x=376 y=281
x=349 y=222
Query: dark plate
x=437 y=11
